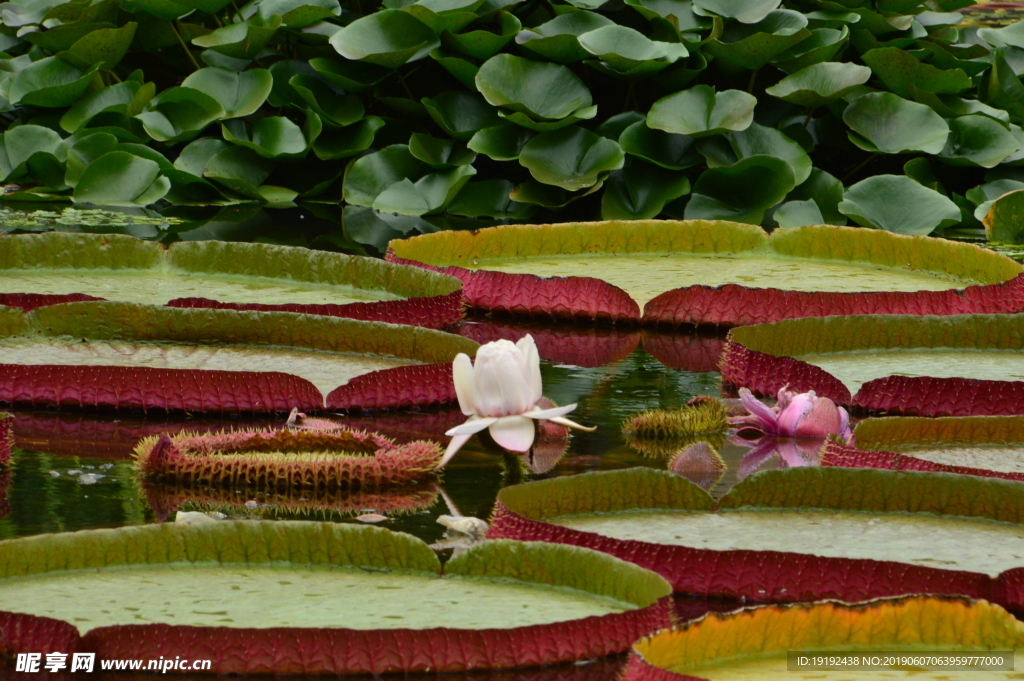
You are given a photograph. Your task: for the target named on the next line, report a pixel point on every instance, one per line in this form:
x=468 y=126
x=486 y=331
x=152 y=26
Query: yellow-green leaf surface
x=267 y=574
x=122 y=268
x=752 y=645
x=991 y=442
x=648 y=257
x=857 y=349
x=328 y=351
x=939 y=521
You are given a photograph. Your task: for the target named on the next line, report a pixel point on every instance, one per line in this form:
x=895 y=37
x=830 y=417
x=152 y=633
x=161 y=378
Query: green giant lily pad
x=257 y=577
x=800 y=534
x=959 y=365
x=669 y=268
x=735 y=646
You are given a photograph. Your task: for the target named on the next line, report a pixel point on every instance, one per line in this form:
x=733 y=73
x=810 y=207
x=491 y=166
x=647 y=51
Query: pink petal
x=453 y=446
x=797 y=410
x=822 y=420
x=783 y=398
x=767 y=418
x=462 y=374
x=515 y=433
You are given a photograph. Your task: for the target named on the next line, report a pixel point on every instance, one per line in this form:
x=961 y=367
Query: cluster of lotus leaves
x=986 y=446
x=959 y=365
x=797 y=535
x=499 y=605
x=703 y=272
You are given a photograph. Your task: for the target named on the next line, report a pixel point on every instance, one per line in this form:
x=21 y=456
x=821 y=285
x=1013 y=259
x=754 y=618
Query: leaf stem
x=753 y=77
x=174 y=27
x=857 y=167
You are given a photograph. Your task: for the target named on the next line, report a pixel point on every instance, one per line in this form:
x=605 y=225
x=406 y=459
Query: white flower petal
x=473 y=425
x=562 y=421
x=499 y=386
x=513 y=432
x=549 y=413
x=462 y=373
x=532 y=369
x=453 y=446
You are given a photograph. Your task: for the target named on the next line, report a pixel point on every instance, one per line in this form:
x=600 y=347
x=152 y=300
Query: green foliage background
x=896 y=114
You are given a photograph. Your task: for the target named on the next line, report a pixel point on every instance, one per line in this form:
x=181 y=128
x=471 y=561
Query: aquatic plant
x=704 y=272
x=6 y=437
x=263 y=631
x=699 y=463
x=701 y=416
x=285 y=459
x=500 y=392
x=720 y=644
x=794 y=415
x=801 y=534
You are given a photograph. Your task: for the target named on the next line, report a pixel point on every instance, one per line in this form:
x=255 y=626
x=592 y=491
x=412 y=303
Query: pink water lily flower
x=795 y=415
x=500 y=392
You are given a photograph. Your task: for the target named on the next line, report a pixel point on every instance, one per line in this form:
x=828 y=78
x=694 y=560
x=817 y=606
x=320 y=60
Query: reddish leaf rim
x=6 y=437
x=757 y=576
x=347 y=651
x=753 y=358
x=729 y=305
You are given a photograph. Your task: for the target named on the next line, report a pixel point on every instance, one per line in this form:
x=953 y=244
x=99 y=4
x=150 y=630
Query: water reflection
x=785 y=452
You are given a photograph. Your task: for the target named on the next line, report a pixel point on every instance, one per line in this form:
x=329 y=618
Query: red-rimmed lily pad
x=961 y=365
x=713 y=272
x=284 y=459
x=795 y=535
x=736 y=646
x=581 y=604
x=986 y=446
x=145 y=357
x=6 y=437
x=56 y=267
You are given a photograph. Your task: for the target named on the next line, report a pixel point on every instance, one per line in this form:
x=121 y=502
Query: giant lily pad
x=223 y=275
x=126 y=356
x=734 y=646
x=962 y=365
x=987 y=446
x=6 y=437
x=705 y=272
x=590 y=604
x=783 y=536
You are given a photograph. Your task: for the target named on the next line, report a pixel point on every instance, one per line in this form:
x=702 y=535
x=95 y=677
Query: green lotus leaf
x=1011 y=35
x=482 y=44
x=346 y=142
x=60 y=38
x=826 y=191
x=899 y=69
x=820 y=84
x=537 y=90
x=1002 y=88
x=978 y=141
x=751 y=46
x=889 y=124
x=489 y=198
x=1004 y=221
x=536 y=193
x=700 y=111
x=326 y=101
x=349 y=75
x=984 y=195
x=898 y=204
x=119 y=178
x=624 y=48
x=759 y=140
x=680 y=10
x=179 y=114
x=501 y=142
x=558 y=40
x=640 y=192
x=525 y=121
x=461 y=68
x=821 y=46
x=668 y=150
x=274 y=136
x=798 y=214
x=440 y=15
x=741 y=192
x=25 y=141
x=50 y=82
x=370 y=175
x=281 y=91
x=297 y=13
x=194 y=157
x=106 y=46
x=839 y=630
x=387 y=38
x=429 y=194
x=614 y=126
x=461 y=114
x=241 y=41
x=164 y=10
x=115 y=98
x=440 y=154
x=240 y=94
x=951 y=106
x=84 y=150
x=571 y=158
x=240 y=169
x=744 y=11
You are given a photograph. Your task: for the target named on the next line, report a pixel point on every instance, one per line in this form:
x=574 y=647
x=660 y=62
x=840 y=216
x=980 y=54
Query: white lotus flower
x=500 y=393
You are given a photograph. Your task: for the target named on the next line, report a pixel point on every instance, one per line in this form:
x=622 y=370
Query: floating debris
x=371 y=518
x=89 y=478
x=196 y=517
